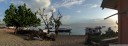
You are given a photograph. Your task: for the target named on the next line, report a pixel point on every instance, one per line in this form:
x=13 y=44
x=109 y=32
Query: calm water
x=79 y=29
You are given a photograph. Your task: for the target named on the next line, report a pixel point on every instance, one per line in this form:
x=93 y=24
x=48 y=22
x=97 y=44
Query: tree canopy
x=20 y=16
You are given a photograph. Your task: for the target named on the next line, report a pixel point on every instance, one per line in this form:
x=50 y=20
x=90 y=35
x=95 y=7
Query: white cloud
x=34 y=4
x=94 y=6
x=1 y=0
x=53 y=8
x=78 y=11
x=69 y=3
x=91 y=5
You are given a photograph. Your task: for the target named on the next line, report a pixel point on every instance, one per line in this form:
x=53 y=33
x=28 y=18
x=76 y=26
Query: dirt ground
x=7 y=39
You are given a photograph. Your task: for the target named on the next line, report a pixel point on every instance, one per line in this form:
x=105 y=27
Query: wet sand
x=7 y=39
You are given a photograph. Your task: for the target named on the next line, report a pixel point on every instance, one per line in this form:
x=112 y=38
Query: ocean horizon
x=79 y=28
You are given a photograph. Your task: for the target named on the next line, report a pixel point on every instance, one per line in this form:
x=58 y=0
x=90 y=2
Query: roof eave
x=111 y=4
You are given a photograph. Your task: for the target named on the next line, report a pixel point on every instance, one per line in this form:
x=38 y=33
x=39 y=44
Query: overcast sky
x=73 y=11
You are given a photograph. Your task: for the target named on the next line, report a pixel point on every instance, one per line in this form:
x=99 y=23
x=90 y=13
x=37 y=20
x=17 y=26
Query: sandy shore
x=7 y=39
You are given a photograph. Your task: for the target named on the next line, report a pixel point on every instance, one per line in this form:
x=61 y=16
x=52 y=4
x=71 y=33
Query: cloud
x=1 y=0
x=94 y=6
x=91 y=5
x=53 y=8
x=34 y=4
x=68 y=3
x=78 y=11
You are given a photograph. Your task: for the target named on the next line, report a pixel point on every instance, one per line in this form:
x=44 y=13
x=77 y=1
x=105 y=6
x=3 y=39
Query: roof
x=112 y=4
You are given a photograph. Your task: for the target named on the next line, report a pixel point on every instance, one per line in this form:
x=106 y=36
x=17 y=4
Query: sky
x=73 y=11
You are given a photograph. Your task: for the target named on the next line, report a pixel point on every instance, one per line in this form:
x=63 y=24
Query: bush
x=98 y=38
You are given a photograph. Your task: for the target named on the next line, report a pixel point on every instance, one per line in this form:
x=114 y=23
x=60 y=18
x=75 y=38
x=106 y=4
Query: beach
x=7 y=39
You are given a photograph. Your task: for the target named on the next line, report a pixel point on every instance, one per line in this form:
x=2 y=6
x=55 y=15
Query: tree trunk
x=16 y=30
x=48 y=28
x=56 y=29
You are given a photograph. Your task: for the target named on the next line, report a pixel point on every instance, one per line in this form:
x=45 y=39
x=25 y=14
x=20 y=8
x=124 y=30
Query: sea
x=79 y=28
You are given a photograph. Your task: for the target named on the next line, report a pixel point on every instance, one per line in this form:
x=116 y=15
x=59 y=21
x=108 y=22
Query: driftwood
x=36 y=35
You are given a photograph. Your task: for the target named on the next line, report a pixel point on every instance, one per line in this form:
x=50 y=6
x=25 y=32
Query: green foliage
x=98 y=38
x=20 y=17
x=110 y=34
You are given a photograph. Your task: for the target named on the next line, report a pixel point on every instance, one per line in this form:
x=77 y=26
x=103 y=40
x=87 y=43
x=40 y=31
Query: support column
x=123 y=22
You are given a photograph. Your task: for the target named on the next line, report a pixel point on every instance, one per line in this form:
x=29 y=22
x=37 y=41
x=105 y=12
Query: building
x=122 y=7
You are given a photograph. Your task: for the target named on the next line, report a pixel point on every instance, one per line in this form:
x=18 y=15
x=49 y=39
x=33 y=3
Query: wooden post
x=123 y=21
